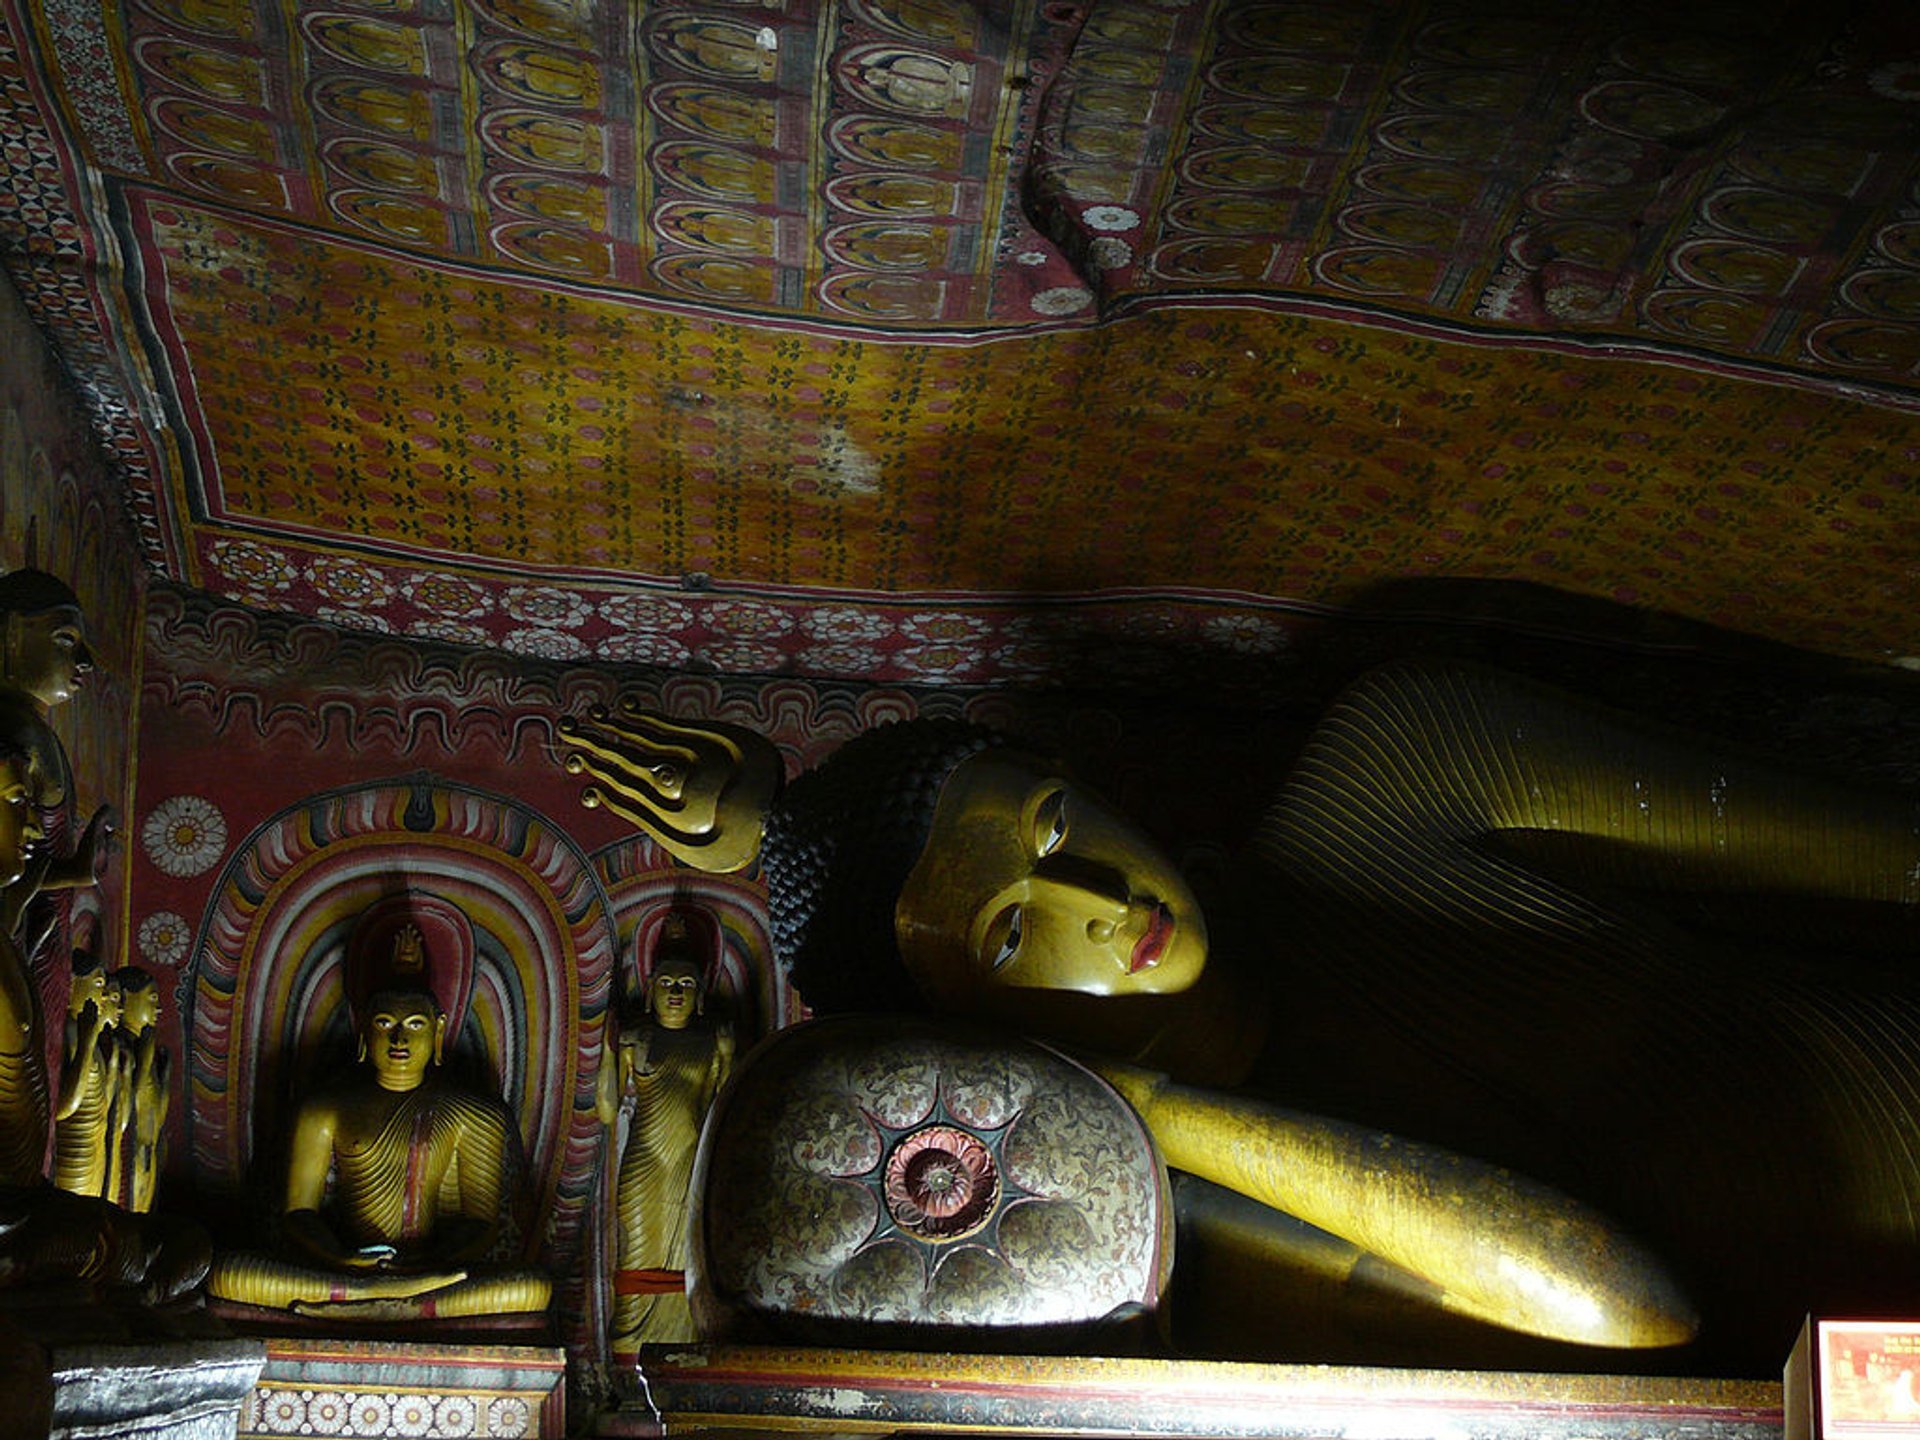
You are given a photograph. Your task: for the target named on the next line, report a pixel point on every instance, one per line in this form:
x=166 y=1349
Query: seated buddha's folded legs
x=374 y=1294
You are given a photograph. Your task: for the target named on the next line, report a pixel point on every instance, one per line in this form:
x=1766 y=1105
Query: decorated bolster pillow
x=871 y=1181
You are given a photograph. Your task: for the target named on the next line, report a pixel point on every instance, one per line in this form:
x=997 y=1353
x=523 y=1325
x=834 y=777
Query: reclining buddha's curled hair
x=839 y=847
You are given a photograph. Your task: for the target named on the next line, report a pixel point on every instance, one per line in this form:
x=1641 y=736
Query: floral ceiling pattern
x=896 y=338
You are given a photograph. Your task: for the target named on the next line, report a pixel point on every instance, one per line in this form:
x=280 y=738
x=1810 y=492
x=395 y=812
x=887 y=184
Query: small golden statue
x=90 y=1082
x=672 y=1065
x=141 y=1116
x=49 y=1236
x=420 y=1176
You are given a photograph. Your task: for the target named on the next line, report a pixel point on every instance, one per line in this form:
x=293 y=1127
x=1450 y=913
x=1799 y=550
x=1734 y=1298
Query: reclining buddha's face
x=1028 y=881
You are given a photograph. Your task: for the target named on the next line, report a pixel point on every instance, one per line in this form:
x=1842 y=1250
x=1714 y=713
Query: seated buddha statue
x=1627 y=963
x=419 y=1172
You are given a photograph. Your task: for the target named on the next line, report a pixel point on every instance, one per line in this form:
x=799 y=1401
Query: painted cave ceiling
x=875 y=337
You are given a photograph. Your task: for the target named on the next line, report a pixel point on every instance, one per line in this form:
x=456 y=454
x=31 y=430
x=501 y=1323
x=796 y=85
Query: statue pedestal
x=750 y=1390
x=406 y=1388
x=153 y=1389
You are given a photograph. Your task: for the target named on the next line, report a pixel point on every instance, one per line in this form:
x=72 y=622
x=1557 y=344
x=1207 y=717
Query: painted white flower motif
x=282 y=1412
x=164 y=937
x=508 y=1415
x=184 y=835
x=352 y=619
x=1032 y=257
x=646 y=612
x=640 y=648
x=1109 y=253
x=448 y=596
x=1109 y=218
x=454 y=1416
x=854 y=661
x=845 y=622
x=458 y=632
x=746 y=656
x=1062 y=300
x=349 y=582
x=936 y=661
x=329 y=1412
x=948 y=626
x=1029 y=628
x=1249 y=634
x=1156 y=624
x=252 y=567
x=371 y=1413
x=412 y=1414
x=1026 y=661
x=544 y=605
x=1898 y=81
x=544 y=644
x=749 y=618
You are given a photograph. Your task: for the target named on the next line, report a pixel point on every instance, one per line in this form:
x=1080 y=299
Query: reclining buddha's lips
x=1152 y=944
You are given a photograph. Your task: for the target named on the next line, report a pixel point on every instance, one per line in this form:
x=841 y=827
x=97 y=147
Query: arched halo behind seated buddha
x=268 y=1017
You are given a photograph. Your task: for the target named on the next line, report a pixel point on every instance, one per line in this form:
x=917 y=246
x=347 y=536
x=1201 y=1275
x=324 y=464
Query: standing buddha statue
x=672 y=1064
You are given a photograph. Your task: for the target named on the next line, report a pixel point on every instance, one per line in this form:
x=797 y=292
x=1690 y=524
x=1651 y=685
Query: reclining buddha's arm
x=1415 y=768
x=1497 y=1247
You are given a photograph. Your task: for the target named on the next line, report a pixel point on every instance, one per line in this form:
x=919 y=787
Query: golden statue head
x=94 y=985
x=20 y=829
x=139 y=1000
x=43 y=650
x=676 y=984
x=1028 y=880
x=675 y=991
x=402 y=1037
x=929 y=863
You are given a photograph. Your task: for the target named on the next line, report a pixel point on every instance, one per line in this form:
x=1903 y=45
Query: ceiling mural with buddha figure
x=903 y=338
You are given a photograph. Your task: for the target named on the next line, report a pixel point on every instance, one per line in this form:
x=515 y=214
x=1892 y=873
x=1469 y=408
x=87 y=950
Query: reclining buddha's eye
x=1003 y=937
x=1050 y=823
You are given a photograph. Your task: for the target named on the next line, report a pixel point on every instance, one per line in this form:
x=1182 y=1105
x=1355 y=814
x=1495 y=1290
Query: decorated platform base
x=56 y=1383
x=690 y=1391
x=396 y=1388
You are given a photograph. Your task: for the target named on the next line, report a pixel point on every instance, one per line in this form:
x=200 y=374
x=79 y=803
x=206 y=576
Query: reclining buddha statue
x=420 y=1174
x=1624 y=962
